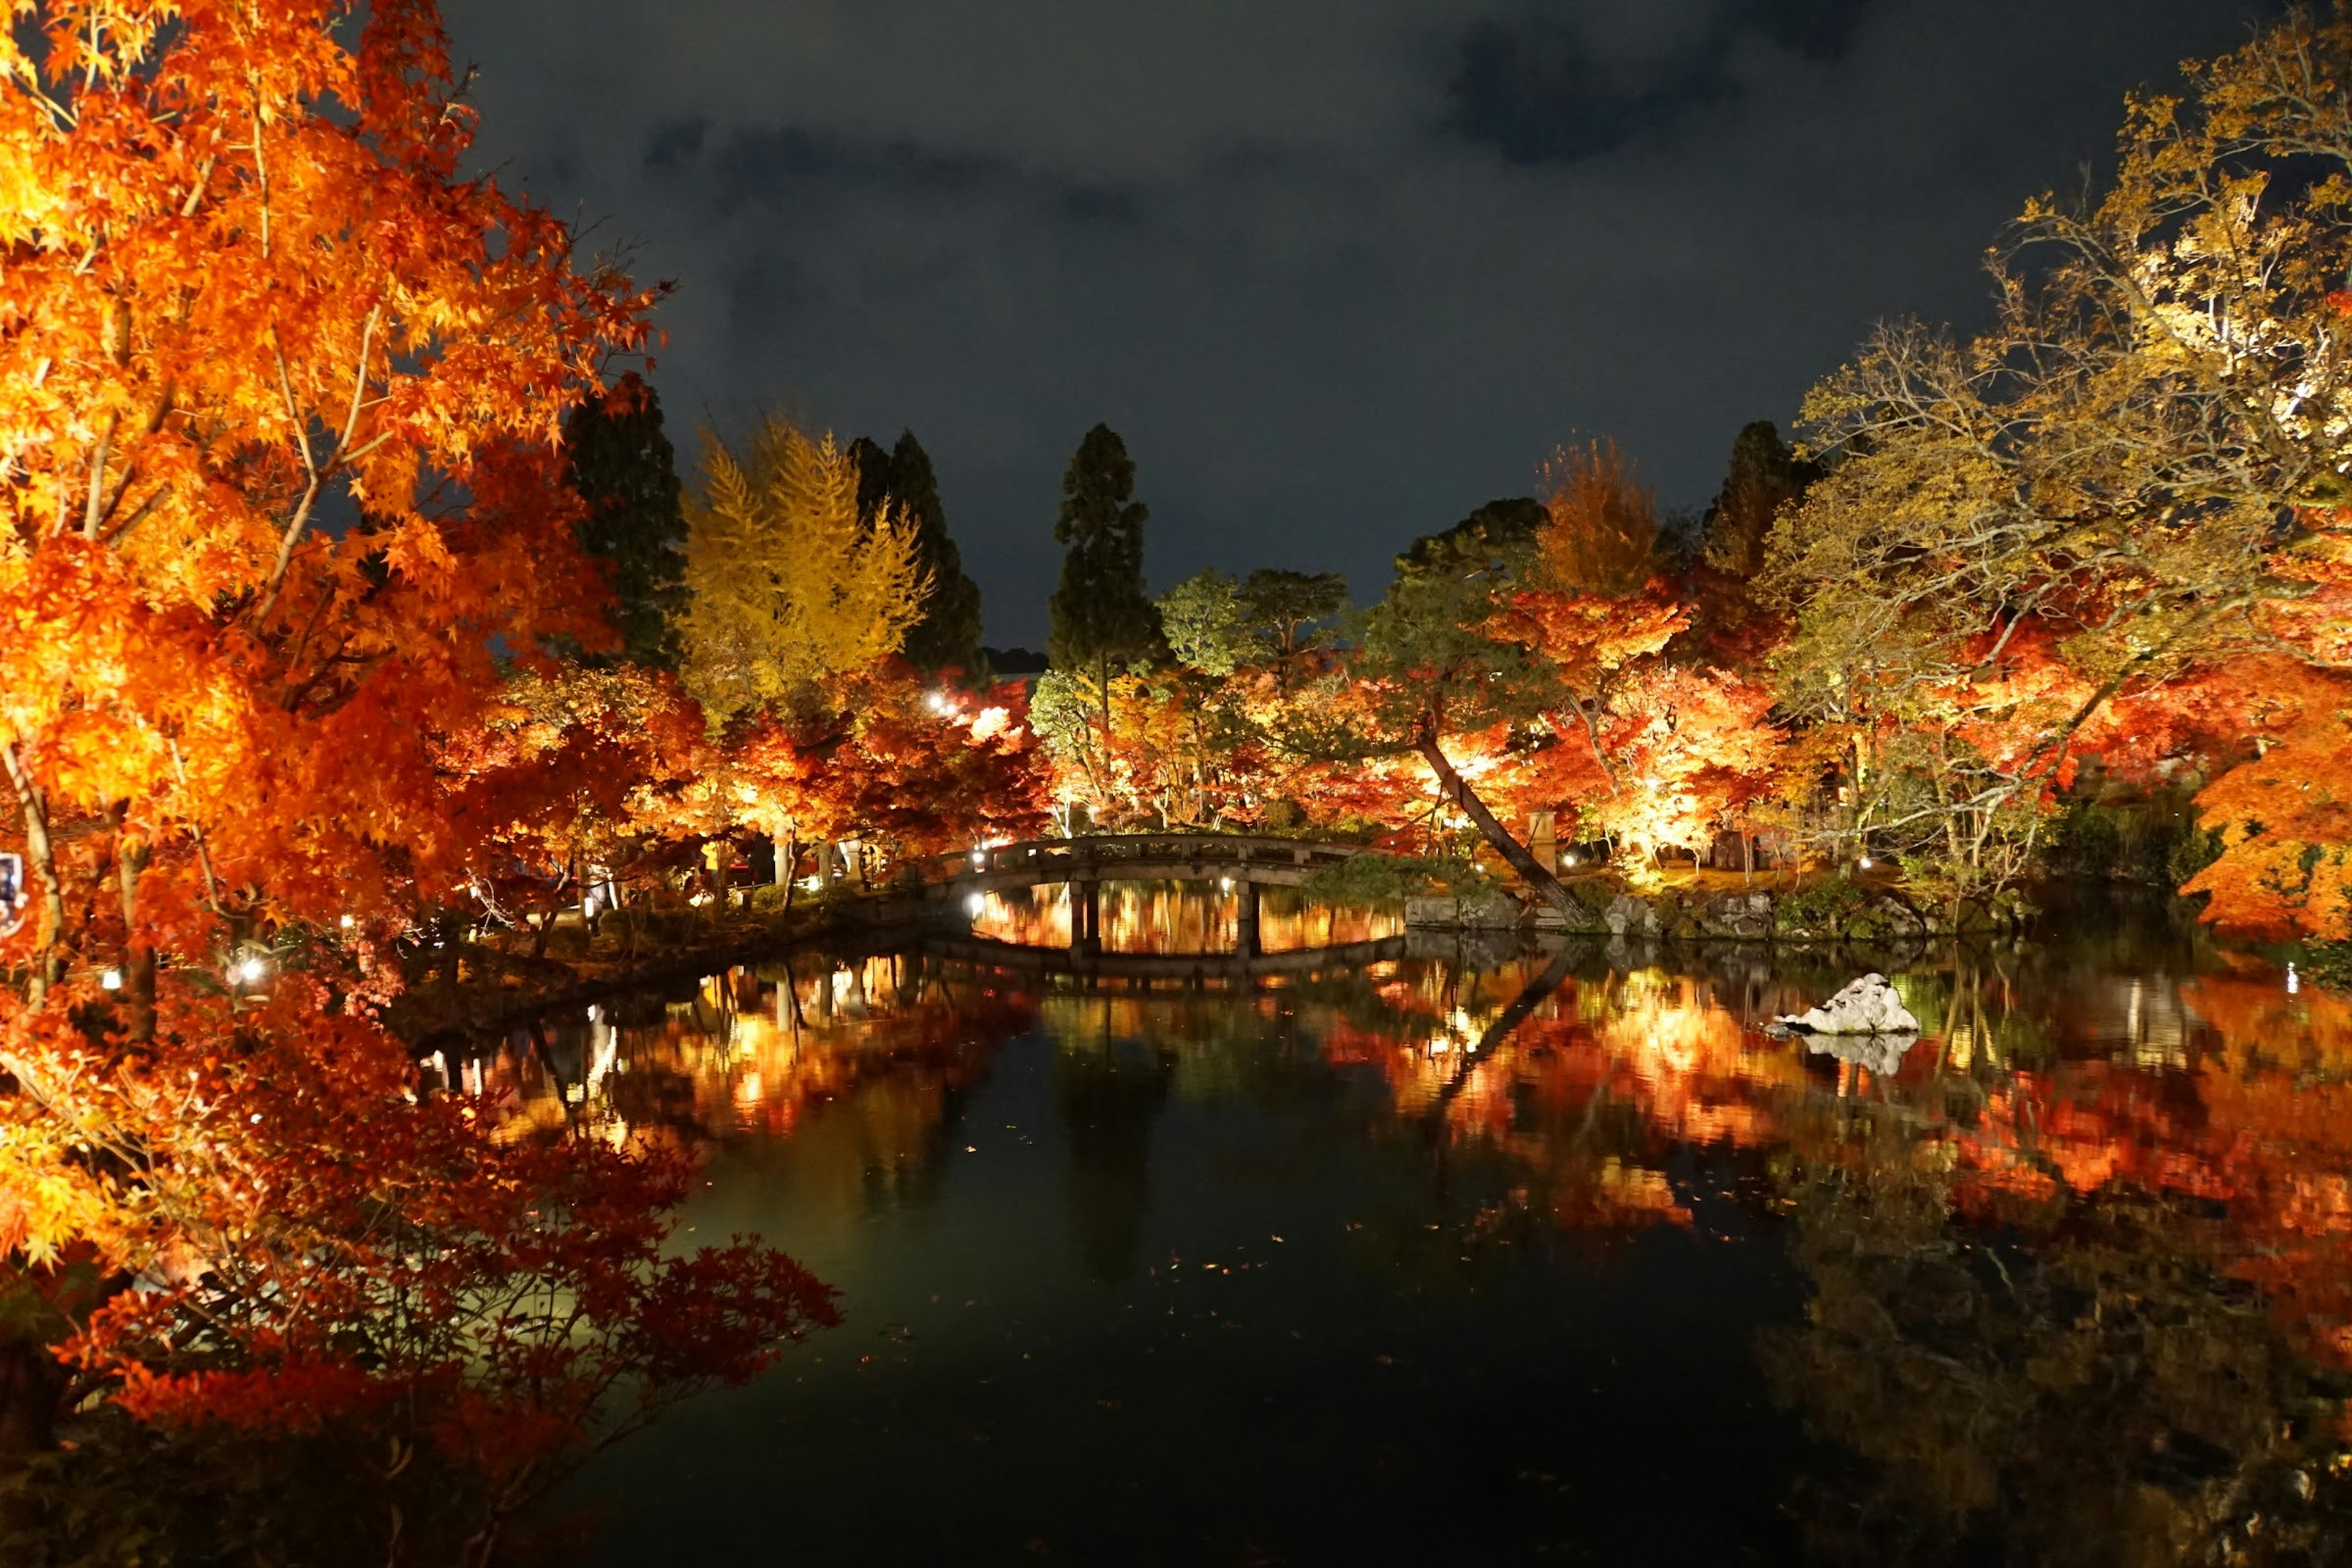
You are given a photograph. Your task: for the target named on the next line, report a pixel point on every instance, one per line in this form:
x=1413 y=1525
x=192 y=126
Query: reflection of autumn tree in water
x=2148 y=1363
x=2084 y=1382
x=863 y=1063
x=1109 y=1088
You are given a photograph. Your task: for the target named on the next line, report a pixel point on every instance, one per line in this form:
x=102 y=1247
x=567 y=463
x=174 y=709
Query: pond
x=1479 y=1254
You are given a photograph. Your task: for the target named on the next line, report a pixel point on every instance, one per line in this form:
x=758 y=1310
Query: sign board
x=12 y=892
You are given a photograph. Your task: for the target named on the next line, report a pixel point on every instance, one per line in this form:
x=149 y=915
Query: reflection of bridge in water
x=1148 y=969
x=1238 y=863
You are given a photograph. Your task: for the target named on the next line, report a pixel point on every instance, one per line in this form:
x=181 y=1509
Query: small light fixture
x=251 y=970
x=1864 y=862
x=2294 y=981
x=1225 y=884
x=979 y=856
x=346 y=922
x=112 y=980
x=937 y=702
x=975 y=903
x=1567 y=859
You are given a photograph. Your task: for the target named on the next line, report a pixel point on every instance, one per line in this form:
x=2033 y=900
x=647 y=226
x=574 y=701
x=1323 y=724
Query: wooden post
x=1247 y=944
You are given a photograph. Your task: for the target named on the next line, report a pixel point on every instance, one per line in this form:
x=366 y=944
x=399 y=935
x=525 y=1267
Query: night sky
x=1339 y=270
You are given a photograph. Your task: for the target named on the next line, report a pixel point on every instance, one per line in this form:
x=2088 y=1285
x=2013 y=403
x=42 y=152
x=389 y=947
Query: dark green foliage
x=623 y=467
x=1819 y=909
x=1764 y=477
x=1427 y=640
x=2327 y=964
x=132 y=1496
x=1102 y=617
x=948 y=636
x=2157 y=841
x=1385 y=878
x=1284 y=607
x=1504 y=526
x=873 y=476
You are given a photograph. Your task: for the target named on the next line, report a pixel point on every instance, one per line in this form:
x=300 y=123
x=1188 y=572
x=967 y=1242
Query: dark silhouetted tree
x=948 y=636
x=1764 y=477
x=622 y=465
x=1102 y=617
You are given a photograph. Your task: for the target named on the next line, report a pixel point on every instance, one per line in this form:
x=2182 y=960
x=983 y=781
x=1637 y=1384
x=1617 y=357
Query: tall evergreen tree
x=623 y=467
x=948 y=636
x=1764 y=477
x=873 y=460
x=1102 y=617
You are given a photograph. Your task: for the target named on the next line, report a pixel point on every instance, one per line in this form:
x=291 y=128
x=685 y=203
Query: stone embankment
x=1832 y=910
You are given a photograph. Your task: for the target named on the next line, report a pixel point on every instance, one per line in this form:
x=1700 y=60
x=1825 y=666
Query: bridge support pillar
x=1247 y=944
x=1085 y=917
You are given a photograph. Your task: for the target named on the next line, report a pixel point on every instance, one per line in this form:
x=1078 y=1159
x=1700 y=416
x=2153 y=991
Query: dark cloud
x=1545 y=87
x=1339 y=270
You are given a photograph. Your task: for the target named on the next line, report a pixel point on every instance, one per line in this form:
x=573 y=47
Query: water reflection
x=1181 y=918
x=2064 y=1279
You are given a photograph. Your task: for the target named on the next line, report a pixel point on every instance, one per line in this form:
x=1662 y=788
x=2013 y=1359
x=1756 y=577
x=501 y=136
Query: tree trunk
x=44 y=863
x=138 y=957
x=31 y=1382
x=1458 y=790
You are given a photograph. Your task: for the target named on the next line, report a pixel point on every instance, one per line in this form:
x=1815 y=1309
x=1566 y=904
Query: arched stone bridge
x=1248 y=861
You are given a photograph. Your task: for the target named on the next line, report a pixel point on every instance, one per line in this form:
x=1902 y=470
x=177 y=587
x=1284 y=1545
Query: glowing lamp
x=112 y=981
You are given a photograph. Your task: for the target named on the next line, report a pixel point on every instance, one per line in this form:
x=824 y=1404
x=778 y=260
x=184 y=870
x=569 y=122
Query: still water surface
x=1483 y=1256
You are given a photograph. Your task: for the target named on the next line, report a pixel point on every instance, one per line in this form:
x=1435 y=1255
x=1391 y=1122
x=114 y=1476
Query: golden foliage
x=786 y=584
x=1601 y=534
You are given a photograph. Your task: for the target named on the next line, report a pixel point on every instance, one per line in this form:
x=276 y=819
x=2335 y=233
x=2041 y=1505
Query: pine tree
x=1102 y=616
x=623 y=467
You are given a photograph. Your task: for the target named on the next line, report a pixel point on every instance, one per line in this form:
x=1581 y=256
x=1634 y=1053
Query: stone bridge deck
x=1133 y=857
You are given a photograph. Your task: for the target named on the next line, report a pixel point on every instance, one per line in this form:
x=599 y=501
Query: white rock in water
x=1868 y=1006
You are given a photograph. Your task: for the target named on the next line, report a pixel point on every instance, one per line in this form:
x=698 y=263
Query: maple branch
x=320 y=470
x=93 y=511
x=195 y=831
x=144 y=510
x=196 y=192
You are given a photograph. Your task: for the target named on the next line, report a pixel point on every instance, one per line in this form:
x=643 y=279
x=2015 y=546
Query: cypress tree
x=873 y=476
x=1102 y=616
x=1764 y=476
x=624 y=469
x=948 y=636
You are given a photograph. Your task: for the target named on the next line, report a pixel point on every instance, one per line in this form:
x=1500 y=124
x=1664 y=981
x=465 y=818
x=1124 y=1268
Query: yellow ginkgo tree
x=788 y=586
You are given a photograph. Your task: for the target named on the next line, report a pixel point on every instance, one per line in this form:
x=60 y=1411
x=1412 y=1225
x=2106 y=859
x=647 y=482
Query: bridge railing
x=1094 y=854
